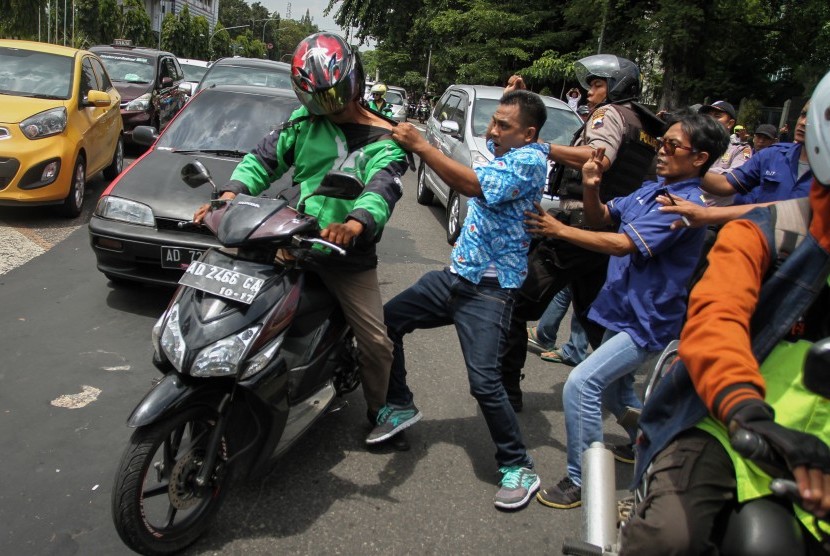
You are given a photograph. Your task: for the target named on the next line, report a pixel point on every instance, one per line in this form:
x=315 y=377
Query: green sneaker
x=518 y=484
x=392 y=419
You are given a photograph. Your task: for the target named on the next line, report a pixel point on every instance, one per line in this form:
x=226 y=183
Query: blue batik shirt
x=494 y=233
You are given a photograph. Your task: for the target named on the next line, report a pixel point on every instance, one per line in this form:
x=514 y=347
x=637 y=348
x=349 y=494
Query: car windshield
x=393 y=97
x=38 y=74
x=192 y=72
x=238 y=75
x=129 y=68
x=226 y=120
x=559 y=127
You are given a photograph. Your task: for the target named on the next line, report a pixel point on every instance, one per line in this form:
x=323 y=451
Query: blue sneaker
x=518 y=485
x=392 y=419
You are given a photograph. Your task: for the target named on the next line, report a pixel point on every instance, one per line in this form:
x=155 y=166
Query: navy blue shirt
x=770 y=175
x=645 y=292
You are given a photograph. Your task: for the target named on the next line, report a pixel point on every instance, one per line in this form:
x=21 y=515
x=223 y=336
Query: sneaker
x=623 y=453
x=517 y=486
x=533 y=340
x=564 y=495
x=392 y=419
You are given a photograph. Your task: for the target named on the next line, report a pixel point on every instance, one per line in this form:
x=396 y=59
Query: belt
x=573 y=217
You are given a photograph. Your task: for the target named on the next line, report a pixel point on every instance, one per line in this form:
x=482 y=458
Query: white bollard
x=599 y=496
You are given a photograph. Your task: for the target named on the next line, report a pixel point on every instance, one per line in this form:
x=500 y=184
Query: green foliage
x=749 y=113
x=135 y=23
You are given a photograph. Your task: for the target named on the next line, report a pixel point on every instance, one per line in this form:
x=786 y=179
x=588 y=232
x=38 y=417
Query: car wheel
x=74 y=202
x=453 y=218
x=424 y=194
x=117 y=164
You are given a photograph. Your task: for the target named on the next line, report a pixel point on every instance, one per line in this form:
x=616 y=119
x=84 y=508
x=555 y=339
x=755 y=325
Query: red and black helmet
x=326 y=73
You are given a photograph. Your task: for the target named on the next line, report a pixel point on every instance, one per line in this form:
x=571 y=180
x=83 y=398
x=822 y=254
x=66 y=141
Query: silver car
x=457 y=126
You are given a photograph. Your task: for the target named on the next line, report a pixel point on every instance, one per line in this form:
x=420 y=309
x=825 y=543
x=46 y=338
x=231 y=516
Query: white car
x=193 y=72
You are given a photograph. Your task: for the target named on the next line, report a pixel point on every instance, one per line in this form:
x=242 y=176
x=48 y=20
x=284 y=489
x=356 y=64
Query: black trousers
x=553 y=265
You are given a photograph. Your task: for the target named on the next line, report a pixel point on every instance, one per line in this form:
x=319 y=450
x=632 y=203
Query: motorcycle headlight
x=261 y=359
x=139 y=104
x=172 y=340
x=45 y=124
x=125 y=210
x=222 y=358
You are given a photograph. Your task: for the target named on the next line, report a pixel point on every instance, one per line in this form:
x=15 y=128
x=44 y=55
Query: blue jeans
x=604 y=379
x=481 y=315
x=576 y=348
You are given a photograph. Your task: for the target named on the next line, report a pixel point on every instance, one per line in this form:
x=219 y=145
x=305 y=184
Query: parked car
x=247 y=71
x=148 y=80
x=193 y=70
x=134 y=230
x=457 y=126
x=59 y=124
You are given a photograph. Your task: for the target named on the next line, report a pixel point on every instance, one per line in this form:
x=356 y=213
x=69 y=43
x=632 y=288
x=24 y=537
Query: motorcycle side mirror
x=817 y=368
x=195 y=174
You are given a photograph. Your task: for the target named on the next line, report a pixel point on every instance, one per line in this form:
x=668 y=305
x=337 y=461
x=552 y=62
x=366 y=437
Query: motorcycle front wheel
x=157 y=506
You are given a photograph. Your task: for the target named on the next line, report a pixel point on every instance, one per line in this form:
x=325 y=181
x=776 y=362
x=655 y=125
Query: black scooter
x=253 y=352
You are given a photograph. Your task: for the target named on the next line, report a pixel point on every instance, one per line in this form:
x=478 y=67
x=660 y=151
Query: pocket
x=672 y=469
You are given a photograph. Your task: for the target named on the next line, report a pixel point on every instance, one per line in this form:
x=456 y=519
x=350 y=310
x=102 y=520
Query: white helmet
x=818 y=131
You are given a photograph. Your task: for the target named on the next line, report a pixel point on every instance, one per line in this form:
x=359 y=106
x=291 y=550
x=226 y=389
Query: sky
x=298 y=9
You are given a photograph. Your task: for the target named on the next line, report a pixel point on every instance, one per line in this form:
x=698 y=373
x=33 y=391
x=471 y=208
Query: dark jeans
x=565 y=264
x=481 y=315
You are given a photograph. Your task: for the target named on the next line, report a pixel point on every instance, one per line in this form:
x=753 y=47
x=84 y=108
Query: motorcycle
x=741 y=533
x=423 y=112
x=411 y=110
x=253 y=350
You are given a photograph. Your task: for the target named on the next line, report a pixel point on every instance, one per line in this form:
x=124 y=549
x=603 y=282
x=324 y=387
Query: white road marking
x=76 y=401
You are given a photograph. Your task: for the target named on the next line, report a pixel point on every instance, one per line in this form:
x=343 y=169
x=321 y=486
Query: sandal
x=533 y=339
x=555 y=357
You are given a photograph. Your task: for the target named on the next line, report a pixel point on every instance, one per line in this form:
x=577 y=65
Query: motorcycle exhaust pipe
x=599 y=497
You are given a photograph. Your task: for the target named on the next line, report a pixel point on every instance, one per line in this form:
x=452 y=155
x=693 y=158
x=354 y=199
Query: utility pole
x=429 y=63
x=602 y=30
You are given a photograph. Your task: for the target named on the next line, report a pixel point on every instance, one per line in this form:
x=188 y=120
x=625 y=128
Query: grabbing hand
x=342 y=234
x=593 y=168
x=409 y=138
x=515 y=83
x=542 y=223
x=200 y=213
x=691 y=214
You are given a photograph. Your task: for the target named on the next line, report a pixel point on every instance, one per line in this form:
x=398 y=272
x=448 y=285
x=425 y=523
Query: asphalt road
x=76 y=359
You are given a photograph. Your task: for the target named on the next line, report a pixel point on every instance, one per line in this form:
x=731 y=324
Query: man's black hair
x=705 y=134
x=532 y=110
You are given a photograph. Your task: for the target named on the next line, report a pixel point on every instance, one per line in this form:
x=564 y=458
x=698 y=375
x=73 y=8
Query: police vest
x=634 y=164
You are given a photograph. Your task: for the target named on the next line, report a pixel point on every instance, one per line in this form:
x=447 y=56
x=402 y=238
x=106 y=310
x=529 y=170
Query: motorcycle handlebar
x=314 y=240
x=754 y=447
x=188 y=224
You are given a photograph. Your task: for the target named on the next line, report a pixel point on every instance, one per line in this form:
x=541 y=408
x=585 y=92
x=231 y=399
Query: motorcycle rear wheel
x=156 y=505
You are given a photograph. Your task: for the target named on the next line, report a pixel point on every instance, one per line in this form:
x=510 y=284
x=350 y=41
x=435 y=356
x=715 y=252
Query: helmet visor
x=598 y=65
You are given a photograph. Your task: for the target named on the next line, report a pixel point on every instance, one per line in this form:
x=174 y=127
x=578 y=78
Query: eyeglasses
x=670 y=147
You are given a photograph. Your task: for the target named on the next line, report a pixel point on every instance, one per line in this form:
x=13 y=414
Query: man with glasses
x=643 y=300
x=378 y=101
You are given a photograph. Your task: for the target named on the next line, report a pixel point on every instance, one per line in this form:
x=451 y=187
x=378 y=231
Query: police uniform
x=555 y=264
x=736 y=154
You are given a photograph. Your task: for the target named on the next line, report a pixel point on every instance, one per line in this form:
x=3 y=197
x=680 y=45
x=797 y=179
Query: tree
x=135 y=23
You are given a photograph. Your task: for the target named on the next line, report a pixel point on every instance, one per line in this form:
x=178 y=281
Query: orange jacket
x=715 y=342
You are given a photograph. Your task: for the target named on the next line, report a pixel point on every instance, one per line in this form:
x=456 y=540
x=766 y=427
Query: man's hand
x=342 y=234
x=515 y=83
x=200 y=213
x=542 y=223
x=409 y=138
x=814 y=488
x=593 y=168
x=694 y=214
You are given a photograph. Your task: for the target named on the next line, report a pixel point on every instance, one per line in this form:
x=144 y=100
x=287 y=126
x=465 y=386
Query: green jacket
x=386 y=110
x=313 y=146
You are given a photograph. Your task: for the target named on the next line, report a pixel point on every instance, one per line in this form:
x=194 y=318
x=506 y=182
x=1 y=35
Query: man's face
x=377 y=96
x=761 y=141
x=597 y=91
x=507 y=130
x=684 y=163
x=725 y=119
x=801 y=125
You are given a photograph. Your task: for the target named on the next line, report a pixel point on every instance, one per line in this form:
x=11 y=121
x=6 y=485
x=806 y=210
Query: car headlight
x=125 y=210
x=47 y=123
x=139 y=104
x=172 y=340
x=478 y=159
x=261 y=359
x=222 y=358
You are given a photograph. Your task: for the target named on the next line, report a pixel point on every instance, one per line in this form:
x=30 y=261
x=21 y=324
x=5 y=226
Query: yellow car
x=60 y=123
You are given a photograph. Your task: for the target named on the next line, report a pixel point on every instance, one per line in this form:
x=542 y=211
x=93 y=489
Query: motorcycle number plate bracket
x=222 y=282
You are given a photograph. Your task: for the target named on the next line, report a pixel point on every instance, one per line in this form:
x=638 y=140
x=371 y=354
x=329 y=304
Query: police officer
x=739 y=150
x=628 y=133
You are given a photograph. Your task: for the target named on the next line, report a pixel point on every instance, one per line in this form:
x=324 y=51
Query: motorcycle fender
x=167 y=396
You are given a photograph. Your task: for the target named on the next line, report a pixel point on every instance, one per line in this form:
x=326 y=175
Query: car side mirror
x=450 y=127
x=145 y=135
x=187 y=88
x=195 y=174
x=98 y=99
x=817 y=368
x=166 y=81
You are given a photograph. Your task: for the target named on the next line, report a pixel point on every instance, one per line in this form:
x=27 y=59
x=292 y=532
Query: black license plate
x=178 y=257
x=222 y=282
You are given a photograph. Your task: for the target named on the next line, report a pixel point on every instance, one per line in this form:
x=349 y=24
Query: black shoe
x=564 y=495
x=623 y=453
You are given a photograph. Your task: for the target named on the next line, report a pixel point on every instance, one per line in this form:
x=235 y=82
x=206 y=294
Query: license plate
x=222 y=282
x=178 y=257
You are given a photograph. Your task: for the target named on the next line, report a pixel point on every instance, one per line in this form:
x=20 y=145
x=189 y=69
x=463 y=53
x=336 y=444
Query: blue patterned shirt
x=494 y=232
